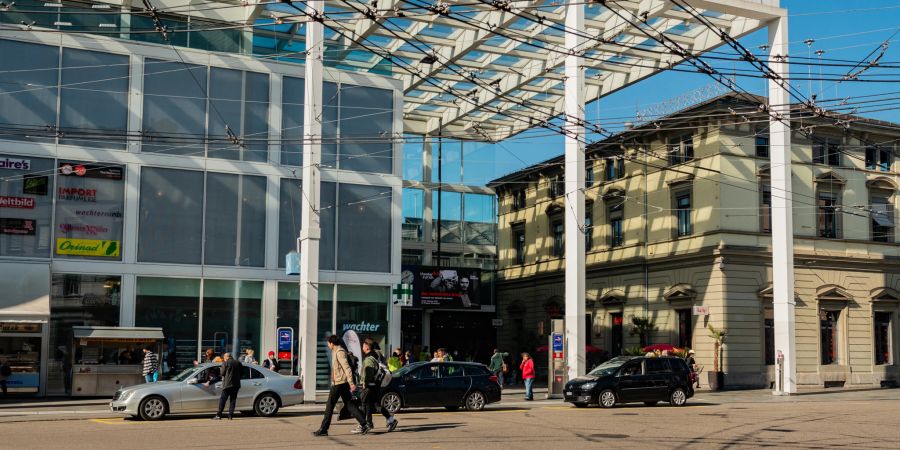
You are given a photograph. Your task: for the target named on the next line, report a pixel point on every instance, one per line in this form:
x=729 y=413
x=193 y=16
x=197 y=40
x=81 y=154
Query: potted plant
x=716 y=378
x=642 y=327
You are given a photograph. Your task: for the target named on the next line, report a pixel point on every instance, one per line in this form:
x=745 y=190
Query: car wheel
x=580 y=405
x=152 y=408
x=266 y=405
x=475 y=401
x=678 y=397
x=607 y=398
x=391 y=402
x=452 y=408
x=653 y=403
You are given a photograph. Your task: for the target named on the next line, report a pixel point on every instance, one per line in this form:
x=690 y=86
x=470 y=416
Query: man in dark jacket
x=231 y=383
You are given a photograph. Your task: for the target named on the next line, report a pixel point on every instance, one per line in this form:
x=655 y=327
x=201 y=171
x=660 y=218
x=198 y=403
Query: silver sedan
x=262 y=393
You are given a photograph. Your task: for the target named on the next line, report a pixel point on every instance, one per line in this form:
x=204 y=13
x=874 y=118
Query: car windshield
x=608 y=368
x=184 y=375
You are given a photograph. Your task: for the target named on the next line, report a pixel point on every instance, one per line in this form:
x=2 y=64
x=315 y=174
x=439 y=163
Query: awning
x=24 y=291
x=144 y=333
x=883 y=214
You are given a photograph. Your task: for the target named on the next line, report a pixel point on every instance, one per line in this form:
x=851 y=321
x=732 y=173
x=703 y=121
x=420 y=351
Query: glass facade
x=90 y=201
x=26 y=205
x=235 y=220
x=174 y=305
x=171 y=216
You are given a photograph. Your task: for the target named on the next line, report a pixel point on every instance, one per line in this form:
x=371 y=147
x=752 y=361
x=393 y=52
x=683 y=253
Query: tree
x=642 y=327
x=718 y=336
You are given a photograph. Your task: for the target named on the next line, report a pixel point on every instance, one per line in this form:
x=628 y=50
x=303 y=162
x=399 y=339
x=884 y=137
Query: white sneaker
x=392 y=424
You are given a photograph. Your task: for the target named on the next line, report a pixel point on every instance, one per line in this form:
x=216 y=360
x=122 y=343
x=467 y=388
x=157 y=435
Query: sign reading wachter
x=87 y=247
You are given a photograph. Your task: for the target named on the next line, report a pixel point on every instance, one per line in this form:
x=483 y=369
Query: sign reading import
x=87 y=247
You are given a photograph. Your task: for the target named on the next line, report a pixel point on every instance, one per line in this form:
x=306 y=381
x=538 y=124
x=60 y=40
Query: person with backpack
x=342 y=386
x=374 y=375
x=498 y=365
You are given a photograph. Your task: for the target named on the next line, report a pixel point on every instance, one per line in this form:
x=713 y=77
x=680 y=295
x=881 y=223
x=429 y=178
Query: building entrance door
x=617 y=335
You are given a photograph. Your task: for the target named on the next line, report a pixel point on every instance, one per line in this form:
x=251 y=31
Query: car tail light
x=493 y=378
x=298 y=384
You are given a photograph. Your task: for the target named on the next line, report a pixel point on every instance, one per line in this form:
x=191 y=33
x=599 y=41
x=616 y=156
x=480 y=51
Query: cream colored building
x=678 y=218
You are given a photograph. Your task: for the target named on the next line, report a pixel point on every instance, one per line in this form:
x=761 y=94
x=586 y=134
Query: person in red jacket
x=527 y=370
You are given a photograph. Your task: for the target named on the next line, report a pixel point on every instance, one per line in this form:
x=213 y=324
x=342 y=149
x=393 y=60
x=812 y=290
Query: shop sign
x=362 y=327
x=701 y=310
x=92 y=230
x=96 y=213
x=86 y=247
x=557 y=346
x=35 y=185
x=21 y=227
x=19 y=327
x=285 y=339
x=446 y=287
x=91 y=171
x=77 y=194
x=16 y=164
x=16 y=202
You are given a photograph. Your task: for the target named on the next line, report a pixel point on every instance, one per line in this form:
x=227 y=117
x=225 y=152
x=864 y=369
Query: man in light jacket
x=341 y=387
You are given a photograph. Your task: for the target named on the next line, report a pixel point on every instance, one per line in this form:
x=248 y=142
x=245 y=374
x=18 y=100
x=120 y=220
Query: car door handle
x=219 y=386
x=257 y=384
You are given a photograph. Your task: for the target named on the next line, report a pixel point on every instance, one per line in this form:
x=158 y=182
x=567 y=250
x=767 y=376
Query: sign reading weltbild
x=87 y=247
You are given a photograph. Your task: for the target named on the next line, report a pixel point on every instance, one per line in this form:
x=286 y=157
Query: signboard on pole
x=557 y=346
x=286 y=345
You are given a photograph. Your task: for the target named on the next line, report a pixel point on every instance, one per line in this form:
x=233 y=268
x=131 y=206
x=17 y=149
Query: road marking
x=110 y=421
x=556 y=407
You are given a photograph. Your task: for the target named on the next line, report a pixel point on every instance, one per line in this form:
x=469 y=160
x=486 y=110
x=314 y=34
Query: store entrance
x=466 y=335
x=20 y=355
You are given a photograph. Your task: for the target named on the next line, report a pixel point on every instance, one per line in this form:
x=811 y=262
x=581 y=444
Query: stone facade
x=691 y=204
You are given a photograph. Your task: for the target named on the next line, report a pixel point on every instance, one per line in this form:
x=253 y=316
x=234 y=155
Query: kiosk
x=107 y=358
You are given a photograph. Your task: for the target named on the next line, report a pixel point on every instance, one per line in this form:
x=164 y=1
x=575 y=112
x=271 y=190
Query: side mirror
x=192 y=381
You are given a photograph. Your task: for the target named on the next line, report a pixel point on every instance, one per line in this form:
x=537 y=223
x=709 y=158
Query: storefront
x=24 y=312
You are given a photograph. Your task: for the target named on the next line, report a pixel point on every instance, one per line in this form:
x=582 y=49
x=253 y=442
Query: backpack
x=383 y=376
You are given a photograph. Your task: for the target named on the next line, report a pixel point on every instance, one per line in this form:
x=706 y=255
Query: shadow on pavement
x=429 y=427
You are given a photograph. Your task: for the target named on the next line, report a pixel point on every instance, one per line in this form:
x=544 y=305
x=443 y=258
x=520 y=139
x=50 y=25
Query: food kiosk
x=107 y=358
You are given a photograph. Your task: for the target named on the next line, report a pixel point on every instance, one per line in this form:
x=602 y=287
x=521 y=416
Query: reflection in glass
x=174 y=305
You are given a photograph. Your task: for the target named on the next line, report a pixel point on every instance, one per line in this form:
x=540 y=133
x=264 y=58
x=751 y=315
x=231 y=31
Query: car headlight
x=588 y=386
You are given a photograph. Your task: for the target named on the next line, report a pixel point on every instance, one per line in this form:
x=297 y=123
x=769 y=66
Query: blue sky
x=844 y=30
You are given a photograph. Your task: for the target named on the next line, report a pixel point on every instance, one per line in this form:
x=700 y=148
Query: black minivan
x=628 y=379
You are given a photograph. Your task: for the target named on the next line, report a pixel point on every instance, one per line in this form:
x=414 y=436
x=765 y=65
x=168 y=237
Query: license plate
x=568 y=393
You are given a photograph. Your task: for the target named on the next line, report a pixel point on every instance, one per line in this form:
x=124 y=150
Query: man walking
x=231 y=384
x=496 y=366
x=371 y=383
x=5 y=372
x=341 y=387
x=151 y=365
x=527 y=369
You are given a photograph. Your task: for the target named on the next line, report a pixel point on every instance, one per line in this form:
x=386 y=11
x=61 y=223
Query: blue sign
x=285 y=339
x=557 y=342
x=292 y=263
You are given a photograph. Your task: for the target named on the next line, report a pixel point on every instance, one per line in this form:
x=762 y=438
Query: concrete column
x=269 y=319
x=310 y=231
x=782 y=207
x=574 y=192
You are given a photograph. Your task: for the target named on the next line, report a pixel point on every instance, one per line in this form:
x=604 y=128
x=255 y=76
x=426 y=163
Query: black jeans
x=228 y=394
x=370 y=399
x=341 y=391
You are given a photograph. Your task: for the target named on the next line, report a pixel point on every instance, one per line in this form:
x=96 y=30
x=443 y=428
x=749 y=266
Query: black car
x=447 y=384
x=633 y=379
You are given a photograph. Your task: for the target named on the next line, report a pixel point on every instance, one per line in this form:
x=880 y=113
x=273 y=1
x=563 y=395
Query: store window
x=290 y=214
x=827 y=151
x=171 y=216
x=883 y=339
x=363 y=309
x=292 y=94
x=26 y=204
x=174 y=305
x=231 y=316
x=413 y=214
x=235 y=227
x=364 y=228
x=683 y=207
x=685 y=328
x=30 y=77
x=881 y=215
x=239 y=102
x=174 y=107
x=829 y=341
x=681 y=149
x=20 y=348
x=90 y=201
x=879 y=158
x=78 y=300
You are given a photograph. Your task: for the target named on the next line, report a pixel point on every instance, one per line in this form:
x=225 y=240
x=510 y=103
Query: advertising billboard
x=445 y=287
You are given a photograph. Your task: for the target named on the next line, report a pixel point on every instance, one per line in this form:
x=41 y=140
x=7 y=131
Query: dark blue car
x=447 y=384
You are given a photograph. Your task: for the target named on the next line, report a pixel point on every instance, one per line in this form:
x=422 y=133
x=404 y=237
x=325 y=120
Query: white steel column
x=310 y=231
x=782 y=207
x=574 y=185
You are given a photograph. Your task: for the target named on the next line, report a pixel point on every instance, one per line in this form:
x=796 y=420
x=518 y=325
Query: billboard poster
x=446 y=287
x=90 y=199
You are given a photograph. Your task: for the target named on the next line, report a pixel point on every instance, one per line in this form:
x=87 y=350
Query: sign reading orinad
x=87 y=247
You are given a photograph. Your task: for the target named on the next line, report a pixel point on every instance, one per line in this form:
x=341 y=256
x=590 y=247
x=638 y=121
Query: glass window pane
x=171 y=216
x=330 y=102
x=290 y=213
x=413 y=212
x=174 y=107
x=89 y=205
x=450 y=210
x=235 y=220
x=479 y=163
x=364 y=310
x=364 y=228
x=366 y=128
x=225 y=87
x=78 y=300
x=26 y=202
x=480 y=218
x=328 y=223
x=174 y=305
x=231 y=315
x=90 y=79
x=255 y=129
x=450 y=154
x=413 y=157
x=29 y=88
x=292 y=121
